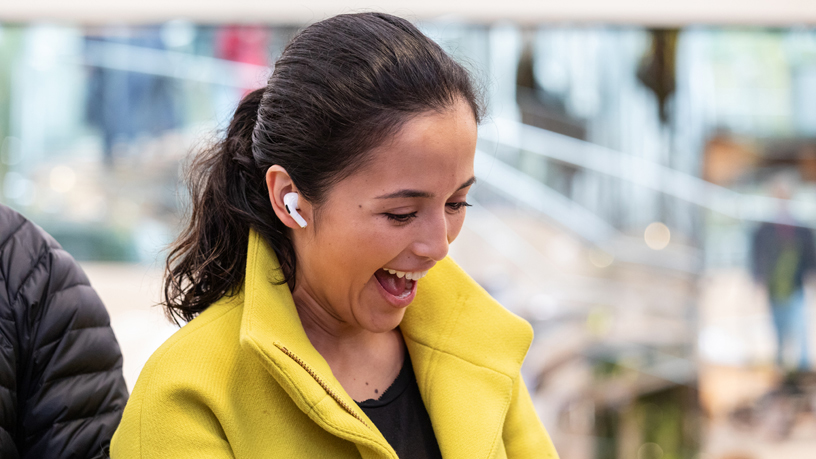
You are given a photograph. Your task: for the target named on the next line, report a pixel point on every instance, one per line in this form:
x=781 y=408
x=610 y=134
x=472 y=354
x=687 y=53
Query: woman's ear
x=279 y=184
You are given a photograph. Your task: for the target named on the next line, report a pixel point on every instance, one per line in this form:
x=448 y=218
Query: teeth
x=410 y=275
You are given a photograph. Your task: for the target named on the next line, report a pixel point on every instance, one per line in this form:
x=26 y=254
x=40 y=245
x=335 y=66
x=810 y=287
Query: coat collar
x=451 y=318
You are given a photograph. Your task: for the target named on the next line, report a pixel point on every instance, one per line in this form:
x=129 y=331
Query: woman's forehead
x=432 y=153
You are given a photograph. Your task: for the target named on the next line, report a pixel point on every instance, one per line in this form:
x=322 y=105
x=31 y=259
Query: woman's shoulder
x=183 y=383
x=204 y=346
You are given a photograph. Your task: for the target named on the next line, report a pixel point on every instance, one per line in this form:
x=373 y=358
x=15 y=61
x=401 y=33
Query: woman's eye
x=457 y=206
x=452 y=207
x=401 y=218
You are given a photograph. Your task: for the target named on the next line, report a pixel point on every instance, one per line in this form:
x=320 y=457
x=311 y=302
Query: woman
x=325 y=319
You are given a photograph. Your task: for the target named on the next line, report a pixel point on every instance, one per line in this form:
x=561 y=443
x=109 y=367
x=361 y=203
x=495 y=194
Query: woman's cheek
x=455 y=224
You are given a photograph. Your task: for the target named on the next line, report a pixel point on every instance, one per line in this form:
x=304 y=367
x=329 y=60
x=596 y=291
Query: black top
x=401 y=416
x=61 y=386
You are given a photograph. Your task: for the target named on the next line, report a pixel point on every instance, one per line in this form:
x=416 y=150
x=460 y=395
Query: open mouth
x=399 y=284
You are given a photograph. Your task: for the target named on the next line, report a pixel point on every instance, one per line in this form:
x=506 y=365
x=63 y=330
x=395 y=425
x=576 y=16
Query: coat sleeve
x=72 y=392
x=167 y=417
x=524 y=435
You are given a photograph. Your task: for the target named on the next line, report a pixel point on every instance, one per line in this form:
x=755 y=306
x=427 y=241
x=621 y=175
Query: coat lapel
x=271 y=330
x=467 y=351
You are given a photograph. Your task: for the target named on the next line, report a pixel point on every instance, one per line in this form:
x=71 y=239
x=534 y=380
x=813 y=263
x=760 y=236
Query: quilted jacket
x=61 y=387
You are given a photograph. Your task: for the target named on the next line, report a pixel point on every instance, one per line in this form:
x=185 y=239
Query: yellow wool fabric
x=242 y=380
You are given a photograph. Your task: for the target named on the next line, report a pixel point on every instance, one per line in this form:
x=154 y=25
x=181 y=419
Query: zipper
x=321 y=382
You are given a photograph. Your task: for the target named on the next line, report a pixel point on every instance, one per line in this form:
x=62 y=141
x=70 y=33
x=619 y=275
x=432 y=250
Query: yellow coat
x=242 y=380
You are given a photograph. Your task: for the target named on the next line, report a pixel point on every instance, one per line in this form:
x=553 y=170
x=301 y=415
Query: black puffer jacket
x=61 y=386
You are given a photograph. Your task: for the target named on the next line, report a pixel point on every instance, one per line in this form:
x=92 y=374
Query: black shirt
x=401 y=416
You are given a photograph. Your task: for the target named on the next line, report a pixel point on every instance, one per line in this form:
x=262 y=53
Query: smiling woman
x=334 y=325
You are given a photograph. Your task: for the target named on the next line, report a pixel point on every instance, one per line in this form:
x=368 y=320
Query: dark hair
x=339 y=89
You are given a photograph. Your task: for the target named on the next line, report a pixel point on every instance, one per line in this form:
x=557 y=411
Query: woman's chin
x=380 y=314
x=385 y=324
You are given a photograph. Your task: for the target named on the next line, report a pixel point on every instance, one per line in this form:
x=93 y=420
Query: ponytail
x=228 y=197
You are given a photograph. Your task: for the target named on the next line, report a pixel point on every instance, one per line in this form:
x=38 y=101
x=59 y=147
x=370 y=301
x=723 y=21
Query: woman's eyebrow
x=407 y=193
x=468 y=183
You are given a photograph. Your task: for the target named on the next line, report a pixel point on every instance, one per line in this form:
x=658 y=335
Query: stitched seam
x=103 y=413
x=40 y=260
x=78 y=284
x=330 y=425
x=508 y=399
x=320 y=381
x=52 y=381
x=5 y=342
x=3 y=248
x=51 y=295
x=451 y=325
x=70 y=331
x=250 y=299
x=12 y=234
x=505 y=409
x=288 y=377
x=462 y=359
x=66 y=421
x=249 y=290
x=313 y=407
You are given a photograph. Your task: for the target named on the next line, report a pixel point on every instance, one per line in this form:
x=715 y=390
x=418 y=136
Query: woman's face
x=397 y=215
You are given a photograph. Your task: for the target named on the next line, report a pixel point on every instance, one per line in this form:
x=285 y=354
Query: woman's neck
x=364 y=362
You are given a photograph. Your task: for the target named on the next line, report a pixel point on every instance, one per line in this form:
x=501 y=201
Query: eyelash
x=405 y=218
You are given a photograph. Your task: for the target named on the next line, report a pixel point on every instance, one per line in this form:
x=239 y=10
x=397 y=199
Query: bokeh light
x=657 y=236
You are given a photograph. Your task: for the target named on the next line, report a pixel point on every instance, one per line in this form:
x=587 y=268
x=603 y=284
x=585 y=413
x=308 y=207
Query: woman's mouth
x=411 y=275
x=398 y=287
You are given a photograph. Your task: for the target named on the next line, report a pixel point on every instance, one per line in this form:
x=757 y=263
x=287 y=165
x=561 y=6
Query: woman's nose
x=433 y=239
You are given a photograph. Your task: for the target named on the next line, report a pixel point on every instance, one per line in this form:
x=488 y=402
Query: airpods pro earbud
x=290 y=201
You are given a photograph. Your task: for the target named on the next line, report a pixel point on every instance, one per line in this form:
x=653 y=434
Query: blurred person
x=335 y=325
x=61 y=387
x=783 y=255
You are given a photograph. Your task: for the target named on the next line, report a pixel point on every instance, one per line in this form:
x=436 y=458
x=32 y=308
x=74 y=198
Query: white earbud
x=290 y=201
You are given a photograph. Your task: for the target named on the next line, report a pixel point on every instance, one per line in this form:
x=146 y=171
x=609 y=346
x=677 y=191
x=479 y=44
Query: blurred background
x=646 y=194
